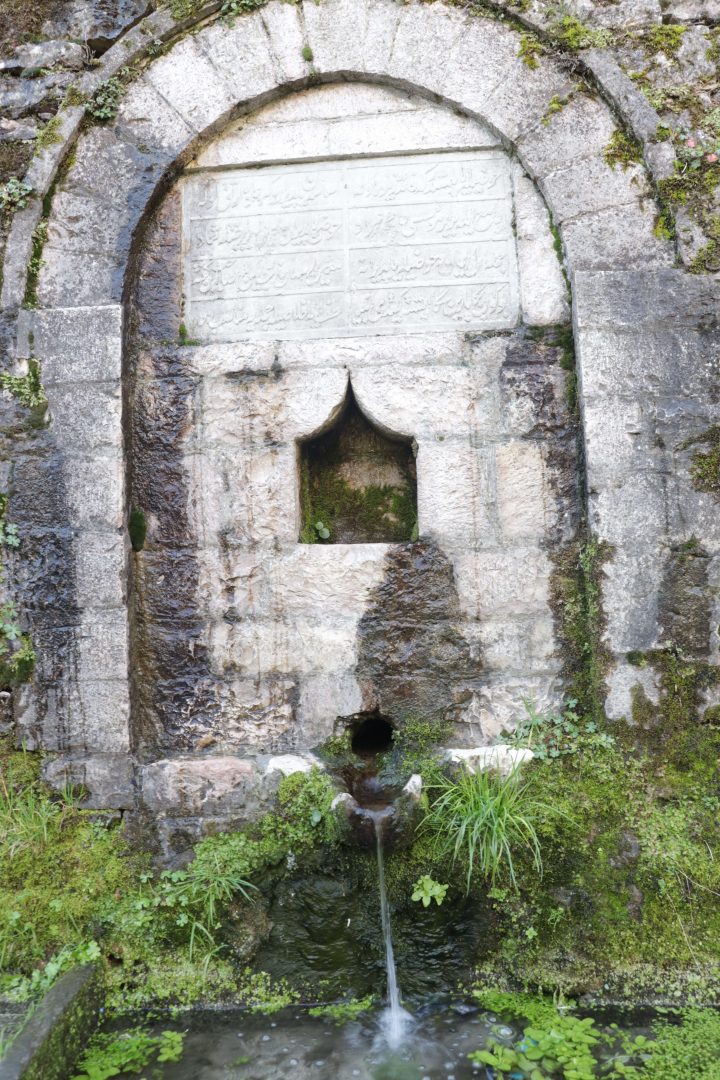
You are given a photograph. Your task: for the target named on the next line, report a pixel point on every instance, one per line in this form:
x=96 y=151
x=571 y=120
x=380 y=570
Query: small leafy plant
x=552 y=735
x=105 y=102
x=426 y=889
x=14 y=194
x=129 y=1052
x=321 y=530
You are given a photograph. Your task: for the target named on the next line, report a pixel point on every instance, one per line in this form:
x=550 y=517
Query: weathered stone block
x=524 y=503
x=510 y=582
x=632 y=579
x=479 y=61
x=102 y=646
x=613 y=238
x=242 y=58
x=146 y=119
x=107 y=776
x=71 y=276
x=169 y=76
x=336 y=34
x=203 y=785
x=424 y=43
x=380 y=30
x=94 y=490
x=86 y=419
x=456 y=495
x=581 y=129
x=591 y=185
x=75 y=345
x=284 y=28
x=100 y=570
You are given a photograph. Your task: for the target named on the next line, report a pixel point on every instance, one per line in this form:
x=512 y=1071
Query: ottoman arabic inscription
x=376 y=245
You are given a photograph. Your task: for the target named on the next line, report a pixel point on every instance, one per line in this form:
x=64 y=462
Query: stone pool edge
x=50 y=1043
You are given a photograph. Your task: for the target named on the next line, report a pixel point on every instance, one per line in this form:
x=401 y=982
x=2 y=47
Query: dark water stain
x=685 y=600
x=327 y=936
x=173 y=699
x=43 y=577
x=413 y=661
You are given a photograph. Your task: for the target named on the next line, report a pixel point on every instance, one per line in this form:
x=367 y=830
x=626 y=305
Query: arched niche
x=358 y=484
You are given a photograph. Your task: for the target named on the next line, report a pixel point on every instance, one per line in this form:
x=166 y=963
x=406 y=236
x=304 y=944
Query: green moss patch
x=622 y=150
x=576 y=601
x=705 y=466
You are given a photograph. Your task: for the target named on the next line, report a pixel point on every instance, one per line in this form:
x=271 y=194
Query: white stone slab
x=362 y=246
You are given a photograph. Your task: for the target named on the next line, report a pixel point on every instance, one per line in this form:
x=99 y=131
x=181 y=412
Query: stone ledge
x=52 y=1040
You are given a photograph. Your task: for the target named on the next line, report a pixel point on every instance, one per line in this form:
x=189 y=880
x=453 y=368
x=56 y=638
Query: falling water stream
x=397 y=1019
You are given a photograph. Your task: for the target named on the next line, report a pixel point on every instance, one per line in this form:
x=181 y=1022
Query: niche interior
x=358 y=484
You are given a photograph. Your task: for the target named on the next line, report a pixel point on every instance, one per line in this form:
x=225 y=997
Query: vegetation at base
x=130 y=1051
x=482 y=820
x=557 y=1043
x=622 y=150
x=17 y=656
x=72 y=889
x=628 y=902
x=553 y=734
x=553 y=1043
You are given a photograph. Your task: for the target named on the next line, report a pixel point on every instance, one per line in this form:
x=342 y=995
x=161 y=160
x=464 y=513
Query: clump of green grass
x=483 y=820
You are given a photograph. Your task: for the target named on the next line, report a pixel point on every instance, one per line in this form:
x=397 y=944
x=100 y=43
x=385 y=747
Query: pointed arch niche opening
x=358 y=483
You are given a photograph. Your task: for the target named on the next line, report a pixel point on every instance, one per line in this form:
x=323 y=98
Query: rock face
x=312 y=206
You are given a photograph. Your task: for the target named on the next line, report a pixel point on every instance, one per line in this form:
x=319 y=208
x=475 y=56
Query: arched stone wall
x=640 y=354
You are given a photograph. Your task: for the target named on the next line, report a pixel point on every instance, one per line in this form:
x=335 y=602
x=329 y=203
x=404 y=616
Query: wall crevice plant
x=483 y=821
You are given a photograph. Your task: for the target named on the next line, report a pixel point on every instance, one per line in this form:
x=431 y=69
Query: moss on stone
x=622 y=150
x=705 y=466
x=556 y=105
x=707 y=260
x=530 y=49
x=137 y=528
x=665 y=39
x=686 y=186
x=184 y=9
x=49 y=135
x=576 y=601
x=575 y=35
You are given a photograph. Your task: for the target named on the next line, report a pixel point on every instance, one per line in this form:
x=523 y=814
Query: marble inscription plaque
x=376 y=245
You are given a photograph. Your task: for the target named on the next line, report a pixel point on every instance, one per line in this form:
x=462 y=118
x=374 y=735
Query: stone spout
x=399 y=816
